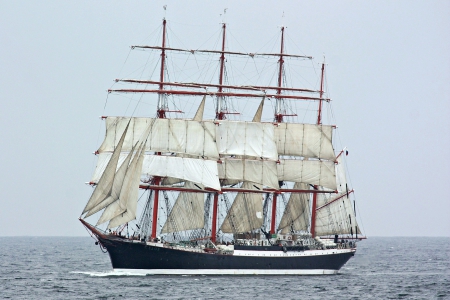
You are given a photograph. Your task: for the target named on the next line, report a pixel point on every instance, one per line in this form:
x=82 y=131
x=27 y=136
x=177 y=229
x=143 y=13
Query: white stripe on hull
x=291 y=253
x=223 y=272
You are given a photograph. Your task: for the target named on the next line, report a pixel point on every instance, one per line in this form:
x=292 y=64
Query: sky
x=388 y=74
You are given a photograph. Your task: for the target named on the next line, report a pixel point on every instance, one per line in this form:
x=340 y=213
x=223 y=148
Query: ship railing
x=182 y=247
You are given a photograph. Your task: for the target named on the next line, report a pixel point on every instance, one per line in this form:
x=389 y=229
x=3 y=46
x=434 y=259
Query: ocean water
x=75 y=268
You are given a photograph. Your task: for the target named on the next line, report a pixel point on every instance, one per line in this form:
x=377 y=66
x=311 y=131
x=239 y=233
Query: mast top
x=165 y=11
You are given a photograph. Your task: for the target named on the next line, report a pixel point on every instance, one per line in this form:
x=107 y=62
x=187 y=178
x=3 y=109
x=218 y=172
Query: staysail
x=129 y=191
x=127 y=204
x=105 y=181
x=116 y=187
x=296 y=215
x=187 y=213
x=245 y=213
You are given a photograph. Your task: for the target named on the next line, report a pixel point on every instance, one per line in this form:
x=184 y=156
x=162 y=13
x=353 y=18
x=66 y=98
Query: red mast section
x=161 y=114
x=319 y=122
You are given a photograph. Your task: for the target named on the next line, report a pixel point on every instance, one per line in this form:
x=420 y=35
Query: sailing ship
x=222 y=196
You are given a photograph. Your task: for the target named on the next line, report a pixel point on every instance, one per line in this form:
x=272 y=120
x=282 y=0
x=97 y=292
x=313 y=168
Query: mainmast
x=162 y=106
x=278 y=119
x=319 y=122
x=220 y=115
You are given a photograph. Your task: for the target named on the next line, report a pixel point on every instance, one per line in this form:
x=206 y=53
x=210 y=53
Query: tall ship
x=175 y=193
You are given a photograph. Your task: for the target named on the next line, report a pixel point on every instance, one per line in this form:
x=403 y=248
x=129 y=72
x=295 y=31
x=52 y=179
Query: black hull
x=128 y=255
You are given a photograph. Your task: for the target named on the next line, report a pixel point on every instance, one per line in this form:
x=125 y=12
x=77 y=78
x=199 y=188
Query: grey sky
x=388 y=75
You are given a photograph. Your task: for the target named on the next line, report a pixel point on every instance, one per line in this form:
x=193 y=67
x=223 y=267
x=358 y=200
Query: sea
x=75 y=268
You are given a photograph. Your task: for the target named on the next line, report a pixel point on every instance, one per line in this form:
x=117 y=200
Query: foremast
x=278 y=119
x=220 y=115
x=161 y=113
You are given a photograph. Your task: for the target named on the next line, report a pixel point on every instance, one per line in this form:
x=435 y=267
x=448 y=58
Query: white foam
x=109 y=273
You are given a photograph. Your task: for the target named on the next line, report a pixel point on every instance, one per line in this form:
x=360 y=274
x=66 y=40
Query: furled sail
x=307 y=140
x=335 y=214
x=296 y=214
x=106 y=178
x=246 y=138
x=166 y=135
x=314 y=172
x=187 y=213
x=258 y=171
x=245 y=213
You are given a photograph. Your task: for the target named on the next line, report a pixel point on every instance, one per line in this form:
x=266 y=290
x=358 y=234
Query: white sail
x=116 y=187
x=337 y=217
x=314 y=172
x=105 y=180
x=190 y=169
x=201 y=108
x=341 y=184
x=246 y=138
x=171 y=166
x=335 y=214
x=258 y=114
x=258 y=171
x=165 y=135
x=167 y=181
x=245 y=213
x=187 y=213
x=130 y=194
x=296 y=214
x=307 y=140
x=341 y=180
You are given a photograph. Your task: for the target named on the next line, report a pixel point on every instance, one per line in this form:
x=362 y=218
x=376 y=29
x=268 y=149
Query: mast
x=319 y=121
x=161 y=101
x=278 y=119
x=319 y=113
x=161 y=114
x=220 y=115
x=278 y=114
